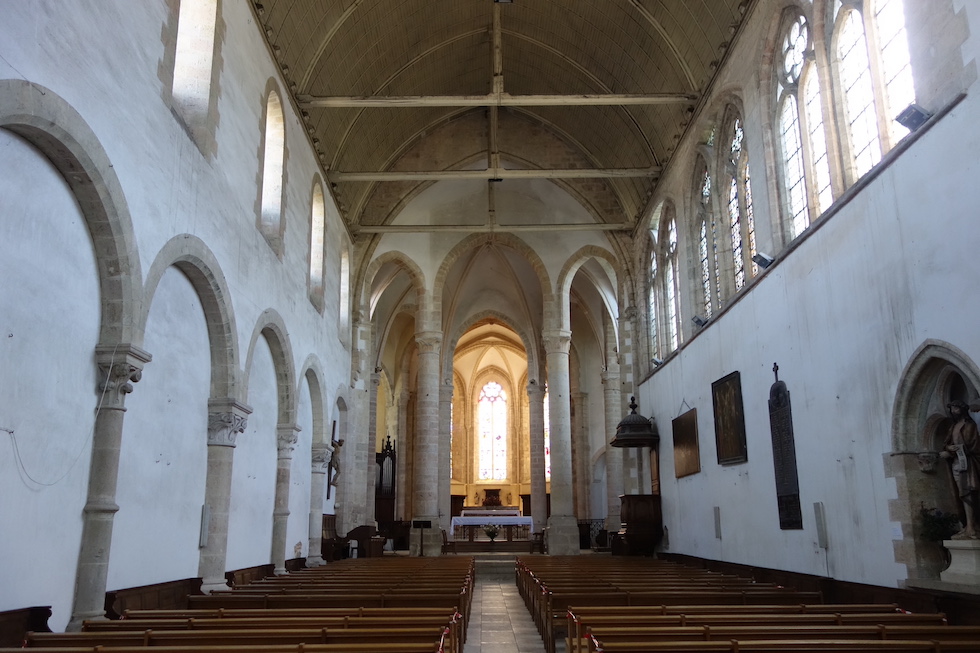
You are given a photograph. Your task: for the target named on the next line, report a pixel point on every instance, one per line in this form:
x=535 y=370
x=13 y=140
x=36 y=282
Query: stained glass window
x=707 y=250
x=740 y=218
x=859 y=100
x=653 y=299
x=492 y=429
x=895 y=61
x=670 y=285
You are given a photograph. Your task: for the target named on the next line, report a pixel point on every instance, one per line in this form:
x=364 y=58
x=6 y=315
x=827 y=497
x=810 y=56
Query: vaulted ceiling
x=615 y=80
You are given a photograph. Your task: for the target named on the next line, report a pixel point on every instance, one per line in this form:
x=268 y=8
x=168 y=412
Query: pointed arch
x=312 y=372
x=609 y=264
x=402 y=261
x=505 y=240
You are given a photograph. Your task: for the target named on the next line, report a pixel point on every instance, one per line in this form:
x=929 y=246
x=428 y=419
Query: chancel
x=296 y=286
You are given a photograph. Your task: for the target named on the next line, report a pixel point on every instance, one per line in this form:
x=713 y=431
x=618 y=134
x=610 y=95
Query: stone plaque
x=784 y=455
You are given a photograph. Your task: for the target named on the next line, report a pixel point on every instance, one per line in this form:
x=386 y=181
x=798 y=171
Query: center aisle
x=499 y=622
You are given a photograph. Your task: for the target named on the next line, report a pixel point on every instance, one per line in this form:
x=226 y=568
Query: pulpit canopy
x=636 y=430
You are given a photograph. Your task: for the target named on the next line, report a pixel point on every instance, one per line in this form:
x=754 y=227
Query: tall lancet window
x=492 y=428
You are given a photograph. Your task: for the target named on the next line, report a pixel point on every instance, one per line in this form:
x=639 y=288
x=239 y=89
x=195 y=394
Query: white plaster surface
x=48 y=379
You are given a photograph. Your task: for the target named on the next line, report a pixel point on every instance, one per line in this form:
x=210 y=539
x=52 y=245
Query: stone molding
x=119 y=367
x=429 y=341
x=226 y=419
x=557 y=341
x=320 y=459
x=286 y=439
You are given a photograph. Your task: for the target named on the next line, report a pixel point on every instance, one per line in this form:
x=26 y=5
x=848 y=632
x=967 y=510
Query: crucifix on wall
x=333 y=467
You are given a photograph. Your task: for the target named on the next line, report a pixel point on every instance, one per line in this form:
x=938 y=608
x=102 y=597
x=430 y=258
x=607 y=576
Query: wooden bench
x=582 y=621
x=359 y=647
x=786 y=646
x=245 y=637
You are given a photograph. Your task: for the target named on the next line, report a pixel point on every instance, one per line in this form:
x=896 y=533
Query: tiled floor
x=499 y=621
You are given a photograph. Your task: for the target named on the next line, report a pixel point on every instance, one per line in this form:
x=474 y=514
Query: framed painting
x=687 y=454
x=726 y=395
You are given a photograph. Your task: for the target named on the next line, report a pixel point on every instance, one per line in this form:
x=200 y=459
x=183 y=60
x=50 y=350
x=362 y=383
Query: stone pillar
x=119 y=367
x=226 y=419
x=581 y=454
x=318 y=472
x=286 y=440
x=351 y=498
x=427 y=445
x=445 y=501
x=562 y=526
x=614 y=456
x=372 y=454
x=539 y=487
x=404 y=457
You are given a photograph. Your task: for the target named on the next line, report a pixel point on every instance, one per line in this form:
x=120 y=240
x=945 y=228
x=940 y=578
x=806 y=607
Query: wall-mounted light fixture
x=699 y=321
x=657 y=362
x=762 y=260
x=913 y=117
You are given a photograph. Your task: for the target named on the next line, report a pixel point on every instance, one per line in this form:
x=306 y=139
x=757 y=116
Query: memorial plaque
x=784 y=456
x=687 y=454
x=726 y=395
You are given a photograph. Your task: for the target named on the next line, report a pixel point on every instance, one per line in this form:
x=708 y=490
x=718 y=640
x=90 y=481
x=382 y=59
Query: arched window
x=896 y=65
x=273 y=156
x=317 y=231
x=194 y=62
x=654 y=290
x=741 y=220
x=805 y=166
x=707 y=235
x=854 y=73
x=874 y=73
x=670 y=281
x=344 y=312
x=492 y=430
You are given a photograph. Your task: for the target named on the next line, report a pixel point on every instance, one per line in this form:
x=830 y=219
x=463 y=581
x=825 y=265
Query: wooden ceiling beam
x=496 y=174
x=491 y=99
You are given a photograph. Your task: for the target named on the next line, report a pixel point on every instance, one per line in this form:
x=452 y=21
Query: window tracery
x=492 y=430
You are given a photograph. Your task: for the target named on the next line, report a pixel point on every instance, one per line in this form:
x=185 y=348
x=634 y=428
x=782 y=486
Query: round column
x=427 y=446
x=286 y=439
x=318 y=473
x=562 y=526
x=539 y=487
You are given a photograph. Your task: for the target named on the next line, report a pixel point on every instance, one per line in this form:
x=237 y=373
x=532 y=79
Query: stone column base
x=965 y=566
x=216 y=586
x=315 y=561
x=562 y=535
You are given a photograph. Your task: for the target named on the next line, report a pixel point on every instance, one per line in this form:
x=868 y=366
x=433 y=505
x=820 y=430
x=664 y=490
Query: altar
x=472 y=520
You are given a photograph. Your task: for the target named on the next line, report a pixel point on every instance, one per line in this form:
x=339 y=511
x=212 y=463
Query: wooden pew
x=786 y=646
x=360 y=647
x=242 y=637
x=580 y=626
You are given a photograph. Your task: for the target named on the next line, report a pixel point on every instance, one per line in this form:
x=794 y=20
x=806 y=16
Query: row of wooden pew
x=630 y=605
x=379 y=605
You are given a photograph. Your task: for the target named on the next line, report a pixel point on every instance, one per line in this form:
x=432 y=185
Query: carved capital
x=429 y=341
x=119 y=368
x=286 y=439
x=631 y=313
x=557 y=341
x=226 y=419
x=321 y=457
x=535 y=391
x=223 y=428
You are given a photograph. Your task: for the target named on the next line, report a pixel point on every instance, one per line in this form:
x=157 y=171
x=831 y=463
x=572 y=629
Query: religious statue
x=334 y=465
x=962 y=451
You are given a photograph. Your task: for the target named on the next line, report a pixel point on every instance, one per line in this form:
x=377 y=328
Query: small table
x=524 y=525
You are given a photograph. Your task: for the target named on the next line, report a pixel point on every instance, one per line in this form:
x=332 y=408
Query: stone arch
x=572 y=265
x=57 y=130
x=506 y=240
x=195 y=260
x=271 y=325
x=937 y=372
x=313 y=372
x=530 y=344
x=401 y=260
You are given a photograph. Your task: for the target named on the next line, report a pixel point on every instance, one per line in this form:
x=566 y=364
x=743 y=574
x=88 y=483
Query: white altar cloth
x=499 y=520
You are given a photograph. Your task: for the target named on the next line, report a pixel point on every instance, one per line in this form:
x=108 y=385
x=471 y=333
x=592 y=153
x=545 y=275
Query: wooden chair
x=447 y=544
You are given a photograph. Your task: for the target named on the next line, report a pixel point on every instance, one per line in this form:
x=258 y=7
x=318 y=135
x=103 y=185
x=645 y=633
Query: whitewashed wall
x=841 y=315
x=107 y=61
